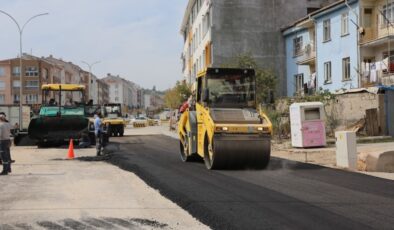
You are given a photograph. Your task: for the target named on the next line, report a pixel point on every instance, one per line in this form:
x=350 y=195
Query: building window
x=346 y=69
x=16 y=83
x=345 y=24
x=32 y=84
x=367 y=17
x=297 y=46
x=116 y=99
x=31 y=71
x=2 y=71
x=299 y=82
x=16 y=98
x=326 y=30
x=388 y=14
x=327 y=72
x=2 y=98
x=2 y=85
x=31 y=99
x=206 y=23
x=199 y=33
x=15 y=71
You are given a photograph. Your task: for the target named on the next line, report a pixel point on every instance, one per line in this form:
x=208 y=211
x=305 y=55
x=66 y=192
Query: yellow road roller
x=113 y=118
x=223 y=125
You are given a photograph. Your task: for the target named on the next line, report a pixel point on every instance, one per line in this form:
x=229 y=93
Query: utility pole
x=20 y=29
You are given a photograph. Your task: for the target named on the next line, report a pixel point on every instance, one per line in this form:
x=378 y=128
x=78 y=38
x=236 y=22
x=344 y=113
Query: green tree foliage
x=175 y=96
x=265 y=78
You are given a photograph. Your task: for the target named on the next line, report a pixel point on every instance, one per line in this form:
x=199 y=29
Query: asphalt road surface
x=287 y=195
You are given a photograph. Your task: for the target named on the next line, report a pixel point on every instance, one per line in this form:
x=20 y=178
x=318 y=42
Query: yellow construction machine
x=223 y=125
x=113 y=118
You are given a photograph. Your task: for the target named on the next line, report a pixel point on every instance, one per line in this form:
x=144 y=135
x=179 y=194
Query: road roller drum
x=238 y=151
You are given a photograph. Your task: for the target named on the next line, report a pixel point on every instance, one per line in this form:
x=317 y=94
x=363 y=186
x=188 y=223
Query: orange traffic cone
x=71 y=150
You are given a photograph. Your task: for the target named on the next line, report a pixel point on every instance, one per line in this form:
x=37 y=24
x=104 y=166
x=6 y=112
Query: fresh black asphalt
x=286 y=195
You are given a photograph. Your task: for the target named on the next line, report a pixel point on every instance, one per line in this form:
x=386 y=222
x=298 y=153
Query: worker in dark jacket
x=5 y=143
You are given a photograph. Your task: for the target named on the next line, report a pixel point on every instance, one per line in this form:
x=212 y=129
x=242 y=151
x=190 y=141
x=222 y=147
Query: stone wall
x=344 y=110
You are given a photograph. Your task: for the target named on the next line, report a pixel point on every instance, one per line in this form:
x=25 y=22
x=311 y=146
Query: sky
x=136 y=39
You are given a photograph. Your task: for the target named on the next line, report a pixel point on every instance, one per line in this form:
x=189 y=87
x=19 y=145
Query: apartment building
x=322 y=50
x=122 y=91
x=71 y=73
x=6 y=82
x=217 y=31
x=102 y=92
x=35 y=72
x=348 y=44
x=376 y=42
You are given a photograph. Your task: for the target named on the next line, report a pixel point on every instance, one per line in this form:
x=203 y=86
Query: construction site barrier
x=139 y=124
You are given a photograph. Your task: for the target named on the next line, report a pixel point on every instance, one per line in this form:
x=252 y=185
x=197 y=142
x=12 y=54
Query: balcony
x=375 y=36
x=307 y=55
x=377 y=75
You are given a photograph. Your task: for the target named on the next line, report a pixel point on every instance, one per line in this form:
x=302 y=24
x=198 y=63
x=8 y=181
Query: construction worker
x=98 y=133
x=9 y=146
x=5 y=143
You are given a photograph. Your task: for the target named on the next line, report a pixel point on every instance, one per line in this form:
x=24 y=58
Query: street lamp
x=20 y=29
x=90 y=68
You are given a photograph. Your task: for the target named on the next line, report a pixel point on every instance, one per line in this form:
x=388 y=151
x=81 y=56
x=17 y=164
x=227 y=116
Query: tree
x=265 y=78
x=175 y=96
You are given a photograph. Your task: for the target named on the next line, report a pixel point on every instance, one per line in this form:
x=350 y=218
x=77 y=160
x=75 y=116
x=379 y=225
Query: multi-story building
x=6 y=96
x=35 y=72
x=376 y=42
x=38 y=71
x=122 y=91
x=322 y=50
x=70 y=74
x=102 y=92
x=217 y=31
x=346 y=44
x=140 y=98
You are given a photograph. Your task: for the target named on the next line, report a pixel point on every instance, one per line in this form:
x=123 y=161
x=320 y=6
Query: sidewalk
x=45 y=190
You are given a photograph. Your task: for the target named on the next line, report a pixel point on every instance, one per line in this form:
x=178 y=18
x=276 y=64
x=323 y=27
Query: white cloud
x=138 y=40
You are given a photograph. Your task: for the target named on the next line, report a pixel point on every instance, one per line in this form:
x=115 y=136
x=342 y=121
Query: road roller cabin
x=223 y=125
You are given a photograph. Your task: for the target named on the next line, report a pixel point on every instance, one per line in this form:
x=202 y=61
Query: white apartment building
x=122 y=91
x=196 y=31
x=215 y=32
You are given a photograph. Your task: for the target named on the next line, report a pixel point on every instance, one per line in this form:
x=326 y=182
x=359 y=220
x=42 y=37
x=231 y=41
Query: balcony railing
x=374 y=33
x=306 y=54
